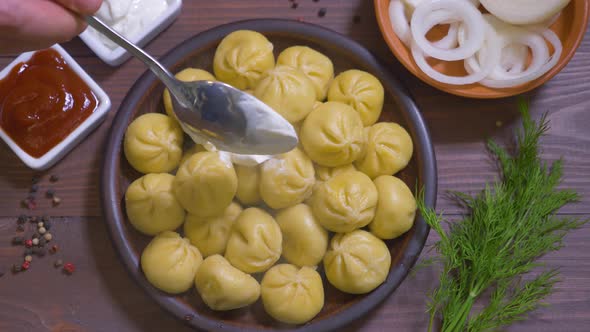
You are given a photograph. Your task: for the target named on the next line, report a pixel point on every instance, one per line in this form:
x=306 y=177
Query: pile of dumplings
x=263 y=231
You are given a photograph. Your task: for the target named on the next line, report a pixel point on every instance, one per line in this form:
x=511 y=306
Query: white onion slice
x=533 y=75
x=468 y=15
x=399 y=21
x=490 y=62
x=513 y=60
x=449 y=41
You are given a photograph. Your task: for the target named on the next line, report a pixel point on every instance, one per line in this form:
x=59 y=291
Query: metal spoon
x=215 y=112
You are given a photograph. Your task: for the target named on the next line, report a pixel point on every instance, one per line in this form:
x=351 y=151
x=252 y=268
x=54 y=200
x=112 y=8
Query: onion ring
x=399 y=21
x=469 y=15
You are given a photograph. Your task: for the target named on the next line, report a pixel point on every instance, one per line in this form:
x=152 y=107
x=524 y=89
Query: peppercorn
x=17 y=240
x=44 y=218
x=21 y=219
x=26 y=265
x=24 y=203
x=35 y=241
x=35 y=236
x=50 y=193
x=42 y=230
x=34 y=188
x=58 y=263
x=33 y=219
x=16 y=268
x=31 y=205
x=56 y=200
x=47 y=225
x=322 y=12
x=54 y=248
x=54 y=178
x=40 y=224
x=42 y=242
x=294 y=5
x=47 y=237
x=20 y=228
x=28 y=258
x=69 y=268
x=28 y=251
x=35 y=179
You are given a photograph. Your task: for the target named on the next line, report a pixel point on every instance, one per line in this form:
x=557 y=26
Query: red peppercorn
x=26 y=265
x=29 y=243
x=69 y=268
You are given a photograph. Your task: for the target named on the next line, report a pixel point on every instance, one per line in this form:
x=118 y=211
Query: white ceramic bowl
x=117 y=56
x=60 y=150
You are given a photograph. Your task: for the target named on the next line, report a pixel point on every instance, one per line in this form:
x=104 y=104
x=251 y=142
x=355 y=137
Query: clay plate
x=145 y=96
x=570 y=27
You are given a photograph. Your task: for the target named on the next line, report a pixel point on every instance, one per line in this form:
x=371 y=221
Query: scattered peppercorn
x=35 y=236
x=33 y=219
x=21 y=219
x=42 y=242
x=58 y=263
x=29 y=243
x=28 y=251
x=28 y=258
x=54 y=248
x=25 y=265
x=35 y=180
x=54 y=178
x=322 y=12
x=35 y=241
x=17 y=240
x=56 y=200
x=40 y=224
x=294 y=5
x=50 y=193
x=20 y=228
x=69 y=268
x=34 y=188
x=48 y=237
x=42 y=230
x=356 y=19
x=16 y=268
x=47 y=225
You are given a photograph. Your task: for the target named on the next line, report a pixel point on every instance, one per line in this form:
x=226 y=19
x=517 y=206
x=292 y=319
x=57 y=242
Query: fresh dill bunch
x=507 y=227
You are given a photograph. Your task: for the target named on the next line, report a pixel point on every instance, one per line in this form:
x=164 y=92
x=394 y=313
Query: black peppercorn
x=50 y=193
x=34 y=188
x=16 y=268
x=21 y=219
x=17 y=240
x=294 y=5
x=44 y=219
x=58 y=263
x=322 y=12
x=54 y=178
x=47 y=225
x=42 y=242
x=35 y=236
x=35 y=180
x=20 y=228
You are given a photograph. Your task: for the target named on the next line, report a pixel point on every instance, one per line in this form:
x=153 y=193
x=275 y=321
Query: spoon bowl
x=215 y=113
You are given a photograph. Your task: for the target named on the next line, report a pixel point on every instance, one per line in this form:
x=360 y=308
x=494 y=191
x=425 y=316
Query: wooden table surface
x=100 y=296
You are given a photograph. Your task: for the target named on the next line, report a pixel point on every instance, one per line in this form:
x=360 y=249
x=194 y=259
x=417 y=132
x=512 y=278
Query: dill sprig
x=507 y=227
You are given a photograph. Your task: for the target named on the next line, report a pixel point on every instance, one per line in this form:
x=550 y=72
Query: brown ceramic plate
x=570 y=27
x=145 y=96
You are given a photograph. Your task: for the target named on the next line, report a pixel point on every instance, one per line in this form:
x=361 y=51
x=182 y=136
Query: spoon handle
x=159 y=70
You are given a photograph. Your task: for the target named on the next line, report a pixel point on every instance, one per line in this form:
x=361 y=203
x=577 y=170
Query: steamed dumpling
x=255 y=242
x=205 y=184
x=316 y=66
x=151 y=205
x=170 y=263
x=153 y=143
x=185 y=75
x=242 y=57
x=210 y=234
x=292 y=295
x=248 y=184
x=360 y=90
x=357 y=262
x=396 y=208
x=288 y=91
x=286 y=180
x=191 y=151
x=323 y=174
x=223 y=287
x=345 y=202
x=332 y=135
x=304 y=240
x=389 y=150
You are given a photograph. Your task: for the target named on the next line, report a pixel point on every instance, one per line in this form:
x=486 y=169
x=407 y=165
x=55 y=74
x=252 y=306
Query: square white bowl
x=86 y=127
x=117 y=56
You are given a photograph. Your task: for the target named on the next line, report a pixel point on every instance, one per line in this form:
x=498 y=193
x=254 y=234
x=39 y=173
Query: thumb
x=84 y=7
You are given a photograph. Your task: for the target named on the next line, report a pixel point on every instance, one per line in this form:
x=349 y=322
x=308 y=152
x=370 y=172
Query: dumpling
x=318 y=67
x=323 y=173
x=345 y=202
x=389 y=150
x=357 y=262
x=396 y=208
x=360 y=90
x=191 y=151
x=185 y=75
x=242 y=57
x=170 y=263
x=255 y=242
x=151 y=205
x=223 y=287
x=153 y=143
x=286 y=180
x=292 y=295
x=210 y=234
x=304 y=240
x=248 y=184
x=205 y=184
x=288 y=91
x=332 y=135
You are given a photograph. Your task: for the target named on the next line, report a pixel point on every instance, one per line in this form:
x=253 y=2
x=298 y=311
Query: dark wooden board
x=102 y=297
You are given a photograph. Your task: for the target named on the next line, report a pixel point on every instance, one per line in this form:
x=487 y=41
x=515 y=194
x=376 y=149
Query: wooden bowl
x=145 y=96
x=570 y=27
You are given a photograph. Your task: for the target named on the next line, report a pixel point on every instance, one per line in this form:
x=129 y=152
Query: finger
x=85 y=7
x=35 y=24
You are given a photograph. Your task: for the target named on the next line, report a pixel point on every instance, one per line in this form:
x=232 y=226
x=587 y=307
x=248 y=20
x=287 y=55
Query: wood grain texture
x=101 y=296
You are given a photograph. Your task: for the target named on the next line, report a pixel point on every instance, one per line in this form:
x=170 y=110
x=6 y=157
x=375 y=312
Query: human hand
x=27 y=25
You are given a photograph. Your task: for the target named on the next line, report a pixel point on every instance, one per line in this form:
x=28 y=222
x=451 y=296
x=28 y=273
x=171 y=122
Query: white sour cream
x=128 y=17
